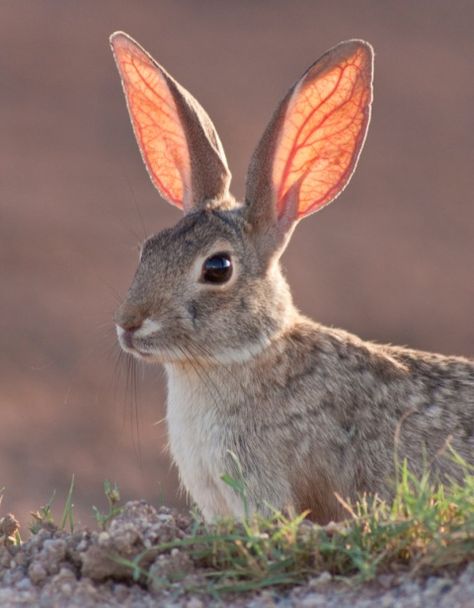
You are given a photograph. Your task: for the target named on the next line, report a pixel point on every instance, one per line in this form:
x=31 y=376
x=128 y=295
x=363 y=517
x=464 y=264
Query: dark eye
x=217 y=268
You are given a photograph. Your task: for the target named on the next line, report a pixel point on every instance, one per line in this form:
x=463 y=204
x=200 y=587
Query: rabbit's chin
x=155 y=356
x=150 y=357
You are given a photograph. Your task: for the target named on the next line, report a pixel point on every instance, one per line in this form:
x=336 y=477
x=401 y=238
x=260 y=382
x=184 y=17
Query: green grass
x=112 y=494
x=429 y=527
x=44 y=515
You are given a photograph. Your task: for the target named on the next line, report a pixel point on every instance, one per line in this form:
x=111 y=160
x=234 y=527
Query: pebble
x=313 y=600
x=66 y=589
x=103 y=538
x=37 y=573
x=45 y=572
x=194 y=602
x=320 y=580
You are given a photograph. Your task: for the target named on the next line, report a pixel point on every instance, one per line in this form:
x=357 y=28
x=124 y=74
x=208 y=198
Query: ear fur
x=311 y=146
x=177 y=140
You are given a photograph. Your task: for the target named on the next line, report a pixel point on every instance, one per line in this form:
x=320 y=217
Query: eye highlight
x=217 y=269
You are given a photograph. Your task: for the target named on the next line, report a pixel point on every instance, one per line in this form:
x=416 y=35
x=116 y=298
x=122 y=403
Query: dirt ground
x=86 y=569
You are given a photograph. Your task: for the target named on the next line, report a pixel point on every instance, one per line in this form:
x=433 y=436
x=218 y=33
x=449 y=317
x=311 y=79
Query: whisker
x=125 y=393
x=132 y=392
x=219 y=366
x=119 y=361
x=196 y=359
x=201 y=374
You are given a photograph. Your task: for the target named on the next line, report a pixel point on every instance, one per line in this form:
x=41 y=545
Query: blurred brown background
x=391 y=260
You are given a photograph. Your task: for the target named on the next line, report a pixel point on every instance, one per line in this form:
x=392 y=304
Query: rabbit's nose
x=126 y=337
x=130 y=326
x=126 y=328
x=129 y=319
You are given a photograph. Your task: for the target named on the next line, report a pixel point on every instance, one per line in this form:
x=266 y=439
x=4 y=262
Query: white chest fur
x=198 y=441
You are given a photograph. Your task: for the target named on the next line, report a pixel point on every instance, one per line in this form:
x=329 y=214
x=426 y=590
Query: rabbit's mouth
x=143 y=355
x=140 y=354
x=136 y=342
x=131 y=349
x=129 y=340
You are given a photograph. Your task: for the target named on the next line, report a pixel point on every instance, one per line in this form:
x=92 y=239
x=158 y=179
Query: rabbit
x=307 y=417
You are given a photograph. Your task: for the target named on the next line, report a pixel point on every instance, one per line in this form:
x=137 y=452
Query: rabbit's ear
x=311 y=146
x=177 y=140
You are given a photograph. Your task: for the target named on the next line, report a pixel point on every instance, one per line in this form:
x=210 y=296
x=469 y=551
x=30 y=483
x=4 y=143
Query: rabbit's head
x=211 y=286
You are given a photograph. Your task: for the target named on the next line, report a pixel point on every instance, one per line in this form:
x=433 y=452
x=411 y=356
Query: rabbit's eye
x=217 y=268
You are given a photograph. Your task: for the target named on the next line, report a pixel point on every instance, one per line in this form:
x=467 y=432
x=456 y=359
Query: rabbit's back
x=372 y=405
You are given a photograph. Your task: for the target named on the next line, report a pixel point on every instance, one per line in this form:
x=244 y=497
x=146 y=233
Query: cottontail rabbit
x=309 y=412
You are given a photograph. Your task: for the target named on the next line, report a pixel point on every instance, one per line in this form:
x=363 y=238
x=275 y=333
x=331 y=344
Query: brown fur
x=308 y=412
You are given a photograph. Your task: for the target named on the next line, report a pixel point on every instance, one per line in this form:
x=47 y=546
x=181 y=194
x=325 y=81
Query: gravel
x=55 y=568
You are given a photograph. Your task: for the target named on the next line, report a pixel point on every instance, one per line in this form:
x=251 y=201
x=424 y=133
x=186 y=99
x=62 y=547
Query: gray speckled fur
x=317 y=411
x=309 y=411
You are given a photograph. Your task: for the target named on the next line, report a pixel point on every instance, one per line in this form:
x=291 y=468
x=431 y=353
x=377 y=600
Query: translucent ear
x=177 y=140
x=311 y=146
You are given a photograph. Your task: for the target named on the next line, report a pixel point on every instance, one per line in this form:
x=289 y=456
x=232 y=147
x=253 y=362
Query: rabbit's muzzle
x=126 y=336
x=129 y=319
